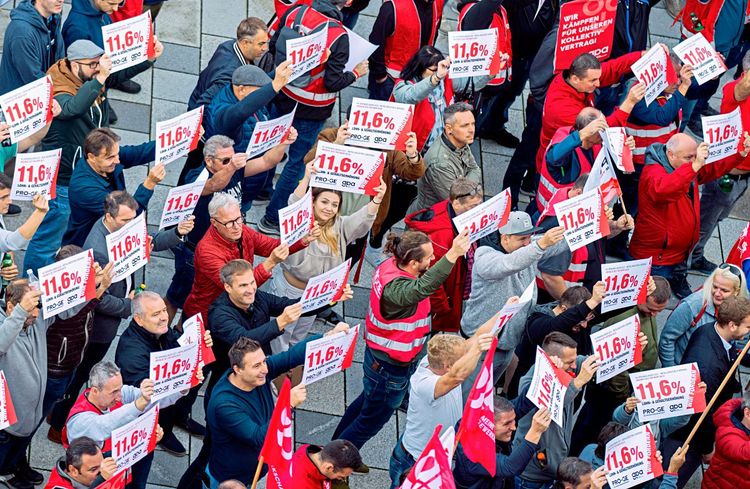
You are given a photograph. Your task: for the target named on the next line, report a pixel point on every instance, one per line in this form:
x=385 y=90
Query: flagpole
x=260 y=466
x=622 y=203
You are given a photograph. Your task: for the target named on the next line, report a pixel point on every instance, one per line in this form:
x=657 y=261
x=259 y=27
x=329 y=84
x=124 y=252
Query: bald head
x=681 y=149
x=586 y=116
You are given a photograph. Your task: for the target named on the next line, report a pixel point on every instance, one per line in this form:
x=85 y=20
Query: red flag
x=117 y=481
x=741 y=249
x=432 y=469
x=7 y=411
x=477 y=429
x=278 y=446
x=560 y=195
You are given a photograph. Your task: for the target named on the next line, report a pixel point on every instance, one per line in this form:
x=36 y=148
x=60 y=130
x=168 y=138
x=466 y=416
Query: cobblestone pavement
x=190 y=31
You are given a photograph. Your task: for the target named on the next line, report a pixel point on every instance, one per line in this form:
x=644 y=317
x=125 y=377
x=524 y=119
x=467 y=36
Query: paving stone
x=163 y=110
x=327 y=395
x=493 y=171
x=167 y=469
x=142 y=97
x=263 y=10
x=159 y=274
x=660 y=24
x=176 y=57
x=131 y=116
x=220 y=17
x=174 y=86
x=376 y=478
x=44 y=453
x=208 y=46
x=131 y=137
x=184 y=24
x=357 y=303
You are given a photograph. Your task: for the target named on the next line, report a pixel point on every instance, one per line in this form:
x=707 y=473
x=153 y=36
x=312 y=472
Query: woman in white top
x=323 y=254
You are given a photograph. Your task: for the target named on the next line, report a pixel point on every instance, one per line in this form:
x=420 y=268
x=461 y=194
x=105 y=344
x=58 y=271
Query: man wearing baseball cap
x=504 y=266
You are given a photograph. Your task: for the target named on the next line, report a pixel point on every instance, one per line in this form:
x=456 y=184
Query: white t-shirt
x=425 y=412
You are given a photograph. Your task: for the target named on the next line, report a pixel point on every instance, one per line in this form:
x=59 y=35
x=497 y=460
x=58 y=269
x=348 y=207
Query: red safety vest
x=707 y=13
x=83 y=405
x=315 y=93
x=407 y=34
x=500 y=22
x=57 y=481
x=576 y=271
x=424 y=115
x=547 y=184
x=648 y=134
x=400 y=339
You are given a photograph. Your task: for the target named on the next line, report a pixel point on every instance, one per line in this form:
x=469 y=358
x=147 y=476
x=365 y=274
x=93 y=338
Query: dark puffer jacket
x=67 y=340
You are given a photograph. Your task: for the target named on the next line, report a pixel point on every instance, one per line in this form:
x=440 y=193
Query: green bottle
x=7 y=262
x=726 y=184
x=697 y=24
x=140 y=289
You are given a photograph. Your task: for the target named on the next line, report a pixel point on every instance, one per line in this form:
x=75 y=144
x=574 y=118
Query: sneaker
x=171 y=444
x=267 y=227
x=25 y=472
x=362 y=469
x=703 y=266
x=680 y=286
x=55 y=436
x=128 y=86
x=375 y=256
x=263 y=196
x=504 y=138
x=15 y=482
x=112 y=116
x=193 y=427
x=13 y=210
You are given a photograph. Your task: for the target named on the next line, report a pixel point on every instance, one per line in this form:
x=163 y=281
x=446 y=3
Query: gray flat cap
x=250 y=75
x=83 y=49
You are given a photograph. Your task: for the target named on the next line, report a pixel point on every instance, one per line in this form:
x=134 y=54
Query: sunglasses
x=223 y=161
x=733 y=269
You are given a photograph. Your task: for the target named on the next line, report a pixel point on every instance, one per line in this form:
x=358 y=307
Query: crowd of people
x=435 y=293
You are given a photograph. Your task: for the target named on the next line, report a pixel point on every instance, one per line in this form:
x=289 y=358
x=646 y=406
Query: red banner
x=741 y=249
x=278 y=446
x=586 y=26
x=432 y=469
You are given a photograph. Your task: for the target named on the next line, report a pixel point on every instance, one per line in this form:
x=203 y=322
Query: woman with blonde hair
x=323 y=254
x=697 y=309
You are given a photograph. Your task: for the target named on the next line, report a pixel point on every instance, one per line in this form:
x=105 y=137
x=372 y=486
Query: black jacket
x=67 y=340
x=134 y=350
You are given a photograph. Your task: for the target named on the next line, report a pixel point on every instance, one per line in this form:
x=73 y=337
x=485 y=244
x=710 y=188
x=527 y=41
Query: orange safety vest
x=500 y=22
x=407 y=34
x=548 y=186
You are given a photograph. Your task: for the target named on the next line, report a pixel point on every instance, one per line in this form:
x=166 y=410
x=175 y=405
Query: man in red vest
x=400 y=29
x=83 y=465
x=397 y=325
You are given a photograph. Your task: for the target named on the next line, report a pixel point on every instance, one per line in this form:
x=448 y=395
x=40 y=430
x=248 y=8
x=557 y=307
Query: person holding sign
x=711 y=348
x=325 y=253
x=424 y=82
x=18 y=239
x=446 y=303
x=397 y=324
x=668 y=222
x=83 y=465
x=731 y=459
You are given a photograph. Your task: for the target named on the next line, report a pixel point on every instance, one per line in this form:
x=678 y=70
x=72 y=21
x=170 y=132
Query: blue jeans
x=384 y=387
x=525 y=484
x=184 y=273
x=401 y=461
x=55 y=391
x=140 y=472
x=295 y=167
x=47 y=239
x=12 y=451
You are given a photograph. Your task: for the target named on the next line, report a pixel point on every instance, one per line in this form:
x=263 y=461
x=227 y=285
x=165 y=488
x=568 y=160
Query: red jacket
x=563 y=102
x=306 y=473
x=447 y=302
x=668 y=222
x=213 y=252
x=730 y=465
x=130 y=9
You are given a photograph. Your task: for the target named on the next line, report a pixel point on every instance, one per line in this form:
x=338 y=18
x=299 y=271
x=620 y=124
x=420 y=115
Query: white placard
x=698 y=52
x=548 y=386
x=36 y=173
x=668 y=392
x=651 y=71
x=27 y=109
x=329 y=355
x=472 y=52
x=129 y=42
x=347 y=168
x=614 y=140
x=7 y=410
x=67 y=283
x=178 y=136
x=296 y=220
x=135 y=440
x=269 y=134
x=181 y=202
x=617 y=347
x=359 y=49
x=631 y=458
x=128 y=248
x=172 y=370
x=379 y=124
x=510 y=310
x=583 y=218
x=326 y=287
x=306 y=52
x=626 y=283
x=486 y=218
x=722 y=133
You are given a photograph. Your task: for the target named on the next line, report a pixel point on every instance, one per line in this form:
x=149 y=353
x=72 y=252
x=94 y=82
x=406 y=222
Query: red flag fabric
x=741 y=249
x=477 y=428
x=117 y=481
x=7 y=411
x=432 y=470
x=560 y=195
x=278 y=446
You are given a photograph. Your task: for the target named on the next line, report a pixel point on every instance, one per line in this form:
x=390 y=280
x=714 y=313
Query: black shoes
x=680 y=286
x=171 y=444
x=128 y=86
x=193 y=427
x=703 y=266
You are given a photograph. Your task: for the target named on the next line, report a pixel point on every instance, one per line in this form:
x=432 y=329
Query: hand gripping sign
x=668 y=392
x=129 y=248
x=486 y=218
x=723 y=133
x=306 y=52
x=617 y=347
x=269 y=134
x=178 y=136
x=135 y=440
x=347 y=168
x=194 y=333
x=510 y=310
x=653 y=71
x=626 y=283
x=473 y=53
x=129 y=42
x=173 y=370
x=7 y=411
x=181 y=202
x=326 y=287
x=704 y=59
x=329 y=355
x=36 y=173
x=548 y=386
x=67 y=283
x=614 y=139
x=378 y=124
x=296 y=220
x=583 y=218
x=586 y=26
x=27 y=109
x=631 y=458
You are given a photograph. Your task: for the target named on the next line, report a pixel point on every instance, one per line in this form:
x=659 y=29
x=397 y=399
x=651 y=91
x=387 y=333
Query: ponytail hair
x=407 y=246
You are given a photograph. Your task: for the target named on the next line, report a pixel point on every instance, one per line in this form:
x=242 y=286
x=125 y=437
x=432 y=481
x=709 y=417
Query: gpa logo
x=601 y=53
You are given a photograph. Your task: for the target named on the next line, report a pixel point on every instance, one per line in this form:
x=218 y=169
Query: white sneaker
x=375 y=256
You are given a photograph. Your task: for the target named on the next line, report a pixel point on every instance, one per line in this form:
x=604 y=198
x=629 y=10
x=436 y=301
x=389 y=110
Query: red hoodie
x=730 y=465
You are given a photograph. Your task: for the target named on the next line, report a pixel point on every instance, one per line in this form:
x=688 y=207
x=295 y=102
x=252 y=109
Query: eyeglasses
x=733 y=269
x=231 y=224
x=223 y=161
x=475 y=191
x=93 y=65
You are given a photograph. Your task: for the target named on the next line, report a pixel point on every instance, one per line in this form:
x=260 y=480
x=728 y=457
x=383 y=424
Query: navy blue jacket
x=85 y=22
x=234 y=118
x=133 y=354
x=32 y=45
x=90 y=189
